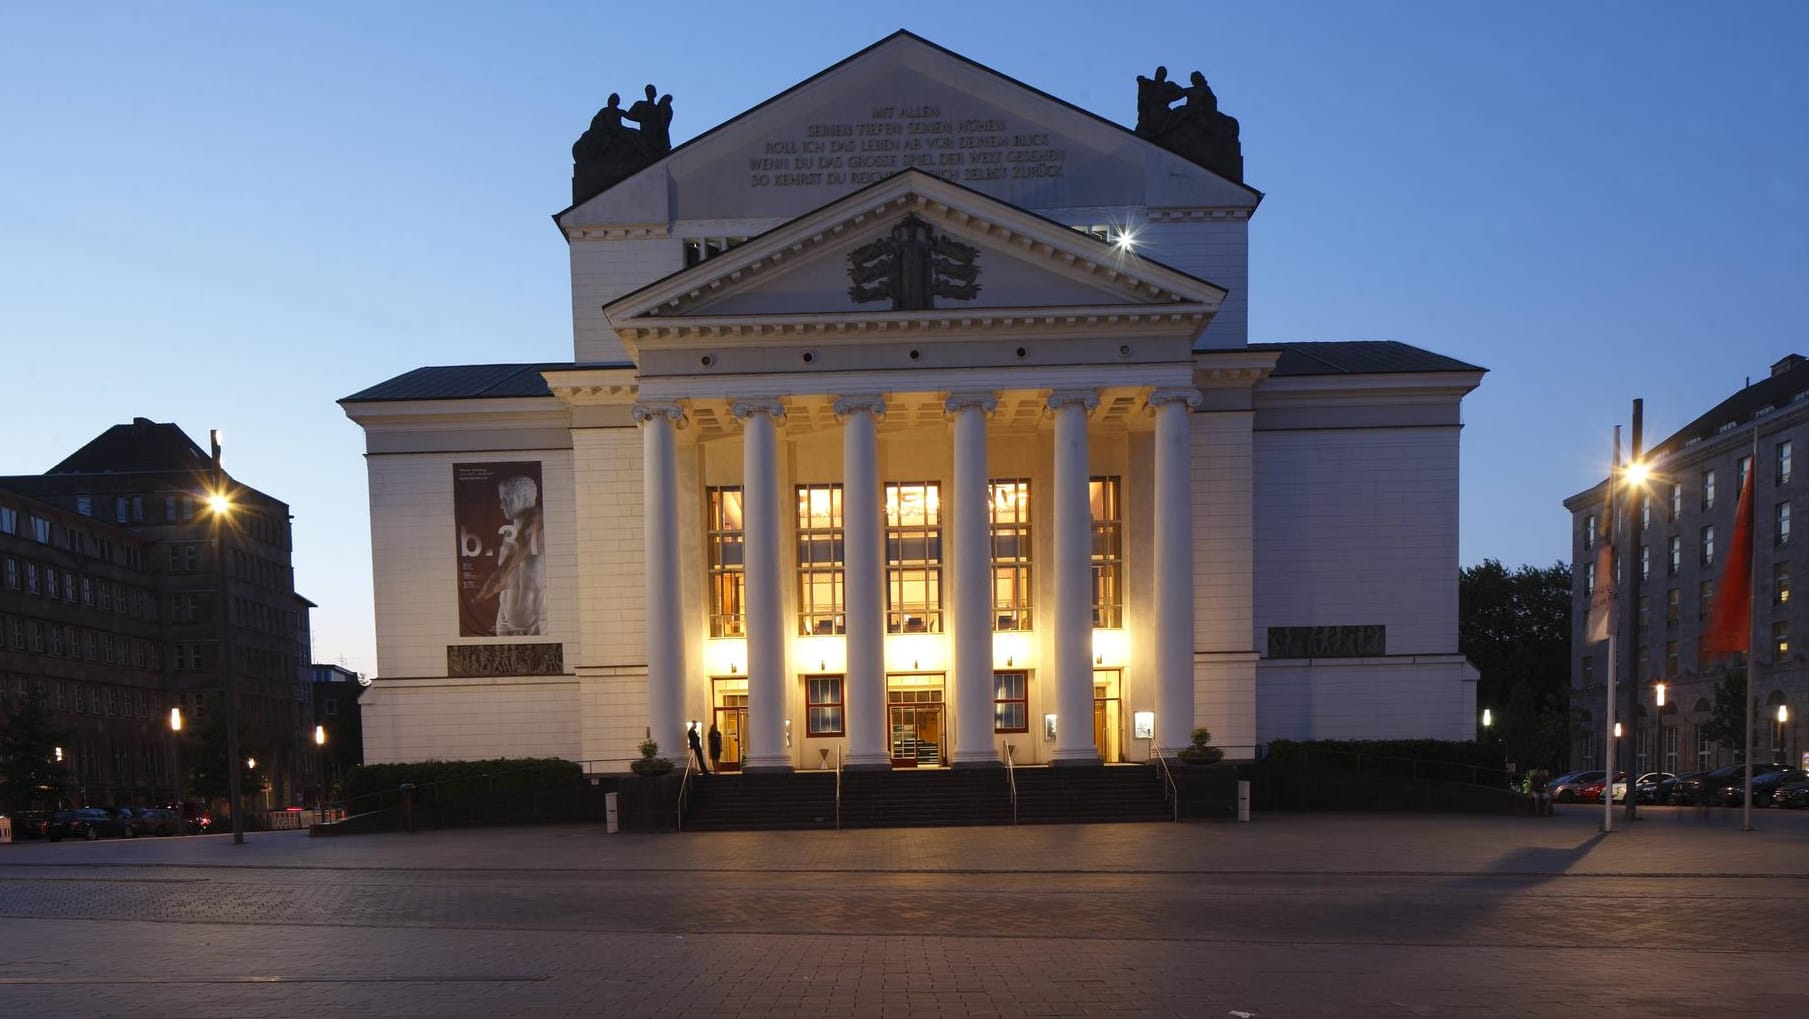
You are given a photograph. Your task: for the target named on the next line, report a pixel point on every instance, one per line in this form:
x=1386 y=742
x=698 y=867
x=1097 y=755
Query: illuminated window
x=1010 y=702
x=1108 y=553
x=1780 y=583
x=728 y=566
x=823 y=705
x=1780 y=640
x=1009 y=508
x=914 y=557
x=820 y=562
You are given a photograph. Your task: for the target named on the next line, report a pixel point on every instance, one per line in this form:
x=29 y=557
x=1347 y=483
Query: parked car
x=1794 y=795
x=155 y=821
x=28 y=824
x=1563 y=789
x=1711 y=787
x=1645 y=788
x=1670 y=790
x=194 y=817
x=84 y=823
x=1733 y=794
x=1593 y=790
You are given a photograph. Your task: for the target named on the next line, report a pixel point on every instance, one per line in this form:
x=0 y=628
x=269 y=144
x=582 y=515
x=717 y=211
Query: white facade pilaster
x=863 y=608
x=972 y=570
x=1173 y=555
x=765 y=738
x=1073 y=672
x=665 y=641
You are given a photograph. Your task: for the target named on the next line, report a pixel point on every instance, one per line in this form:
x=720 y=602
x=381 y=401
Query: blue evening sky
x=231 y=215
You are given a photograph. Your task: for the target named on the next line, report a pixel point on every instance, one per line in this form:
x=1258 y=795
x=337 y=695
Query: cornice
x=1196 y=214
x=1187 y=319
x=619 y=232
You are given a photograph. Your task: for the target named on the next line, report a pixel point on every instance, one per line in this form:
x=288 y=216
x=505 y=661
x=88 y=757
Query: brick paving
x=1678 y=914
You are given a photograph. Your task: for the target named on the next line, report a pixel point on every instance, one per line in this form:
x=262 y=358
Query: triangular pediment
x=1002 y=262
x=905 y=103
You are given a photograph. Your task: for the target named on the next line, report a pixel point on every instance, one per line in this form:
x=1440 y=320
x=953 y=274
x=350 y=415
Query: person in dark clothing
x=696 y=743
x=715 y=748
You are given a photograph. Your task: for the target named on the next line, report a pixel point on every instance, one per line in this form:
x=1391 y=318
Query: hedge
x=438 y=781
x=1446 y=760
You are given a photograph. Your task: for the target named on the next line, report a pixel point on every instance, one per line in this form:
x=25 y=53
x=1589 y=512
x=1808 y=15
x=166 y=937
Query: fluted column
x=1073 y=580
x=665 y=639
x=1174 y=567
x=972 y=554
x=863 y=588
x=765 y=590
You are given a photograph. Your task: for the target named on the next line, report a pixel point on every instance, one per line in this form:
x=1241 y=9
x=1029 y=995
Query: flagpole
x=1752 y=623
x=1614 y=626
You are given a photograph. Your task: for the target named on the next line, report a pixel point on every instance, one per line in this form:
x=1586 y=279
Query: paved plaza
x=1678 y=914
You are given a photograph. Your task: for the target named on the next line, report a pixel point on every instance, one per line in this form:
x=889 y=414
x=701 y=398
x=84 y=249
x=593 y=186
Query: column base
x=767 y=769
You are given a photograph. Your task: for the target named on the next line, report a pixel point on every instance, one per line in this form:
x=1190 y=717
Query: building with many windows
x=119 y=607
x=1670 y=561
x=912 y=422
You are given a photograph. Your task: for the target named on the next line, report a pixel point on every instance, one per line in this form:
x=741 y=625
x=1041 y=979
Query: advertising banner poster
x=498 y=513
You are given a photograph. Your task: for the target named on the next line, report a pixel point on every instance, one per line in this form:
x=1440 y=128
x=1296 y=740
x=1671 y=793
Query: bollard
x=408 y=807
x=611 y=818
x=1243 y=800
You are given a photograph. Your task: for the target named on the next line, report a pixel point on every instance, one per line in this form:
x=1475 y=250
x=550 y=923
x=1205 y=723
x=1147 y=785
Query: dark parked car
x=1794 y=795
x=1733 y=794
x=155 y=821
x=84 y=823
x=1648 y=788
x=1710 y=787
x=194 y=816
x=28 y=824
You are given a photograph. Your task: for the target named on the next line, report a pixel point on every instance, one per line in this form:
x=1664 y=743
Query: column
x=863 y=587
x=1174 y=567
x=1073 y=616
x=765 y=591
x=665 y=640
x=972 y=553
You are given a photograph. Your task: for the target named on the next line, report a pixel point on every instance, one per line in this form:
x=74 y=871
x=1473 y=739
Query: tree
x=30 y=775
x=1726 y=723
x=1515 y=628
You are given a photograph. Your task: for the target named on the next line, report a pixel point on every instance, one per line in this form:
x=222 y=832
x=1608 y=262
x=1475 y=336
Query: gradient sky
x=230 y=217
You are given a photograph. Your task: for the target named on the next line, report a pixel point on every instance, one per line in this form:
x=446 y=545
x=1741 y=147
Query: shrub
x=450 y=781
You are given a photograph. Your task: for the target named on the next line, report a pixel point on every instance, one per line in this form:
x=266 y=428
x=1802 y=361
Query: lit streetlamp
x=1783 y=744
x=320 y=745
x=1658 y=695
x=176 y=763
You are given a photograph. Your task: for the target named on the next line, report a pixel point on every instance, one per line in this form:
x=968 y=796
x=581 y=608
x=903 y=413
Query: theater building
x=911 y=421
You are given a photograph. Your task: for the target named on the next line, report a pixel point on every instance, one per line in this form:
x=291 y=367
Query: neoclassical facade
x=912 y=421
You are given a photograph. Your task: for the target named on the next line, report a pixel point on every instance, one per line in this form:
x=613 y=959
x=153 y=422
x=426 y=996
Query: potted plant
x=649 y=763
x=1201 y=751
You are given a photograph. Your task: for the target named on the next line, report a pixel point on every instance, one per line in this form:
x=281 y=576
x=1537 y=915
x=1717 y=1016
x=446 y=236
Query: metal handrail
x=684 y=790
x=1011 y=781
x=838 y=788
x=1170 y=791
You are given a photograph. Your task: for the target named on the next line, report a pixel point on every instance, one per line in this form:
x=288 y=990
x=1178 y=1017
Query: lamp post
x=320 y=745
x=1658 y=695
x=220 y=506
x=1783 y=720
x=176 y=761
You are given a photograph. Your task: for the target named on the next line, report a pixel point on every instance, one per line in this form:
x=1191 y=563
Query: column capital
x=648 y=410
x=872 y=404
x=1157 y=397
x=1085 y=399
x=772 y=408
x=986 y=401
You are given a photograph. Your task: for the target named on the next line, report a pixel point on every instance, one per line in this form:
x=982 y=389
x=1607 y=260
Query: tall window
x=1780 y=534
x=1676 y=560
x=1708 y=490
x=1589 y=579
x=1108 y=552
x=1784 y=456
x=1645 y=562
x=1708 y=545
x=1673 y=607
x=1589 y=531
x=1010 y=702
x=1009 y=509
x=914 y=557
x=823 y=704
x=1741 y=467
x=1780 y=640
x=728 y=563
x=820 y=561
x=1671 y=659
x=1676 y=499
x=1780 y=583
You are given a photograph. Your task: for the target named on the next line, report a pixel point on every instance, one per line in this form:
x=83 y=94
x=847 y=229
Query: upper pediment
x=910 y=249
x=905 y=103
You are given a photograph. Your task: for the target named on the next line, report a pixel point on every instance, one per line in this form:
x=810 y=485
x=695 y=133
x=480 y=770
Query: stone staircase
x=929 y=797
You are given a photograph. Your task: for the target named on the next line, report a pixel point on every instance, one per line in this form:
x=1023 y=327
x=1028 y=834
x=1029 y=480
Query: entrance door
x=1105 y=713
x=731 y=721
x=914 y=726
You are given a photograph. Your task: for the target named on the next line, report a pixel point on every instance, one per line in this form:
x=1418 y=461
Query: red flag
x=1730 y=627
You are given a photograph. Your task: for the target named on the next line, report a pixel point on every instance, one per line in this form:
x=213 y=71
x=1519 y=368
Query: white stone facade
x=1253 y=490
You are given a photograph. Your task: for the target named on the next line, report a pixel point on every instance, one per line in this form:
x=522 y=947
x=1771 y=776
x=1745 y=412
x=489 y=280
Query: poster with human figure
x=501 y=549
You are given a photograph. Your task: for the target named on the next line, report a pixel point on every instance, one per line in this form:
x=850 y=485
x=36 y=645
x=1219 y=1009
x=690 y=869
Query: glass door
x=1105 y=713
x=914 y=726
x=731 y=721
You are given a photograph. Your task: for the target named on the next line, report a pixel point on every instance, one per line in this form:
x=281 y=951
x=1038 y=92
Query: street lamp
x=221 y=506
x=1783 y=720
x=176 y=760
x=320 y=743
x=1659 y=696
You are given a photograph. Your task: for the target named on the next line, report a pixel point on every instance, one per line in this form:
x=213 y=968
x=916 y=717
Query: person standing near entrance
x=715 y=748
x=696 y=743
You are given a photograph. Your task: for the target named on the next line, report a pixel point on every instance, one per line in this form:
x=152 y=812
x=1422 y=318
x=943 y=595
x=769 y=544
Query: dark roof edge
x=504 y=372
